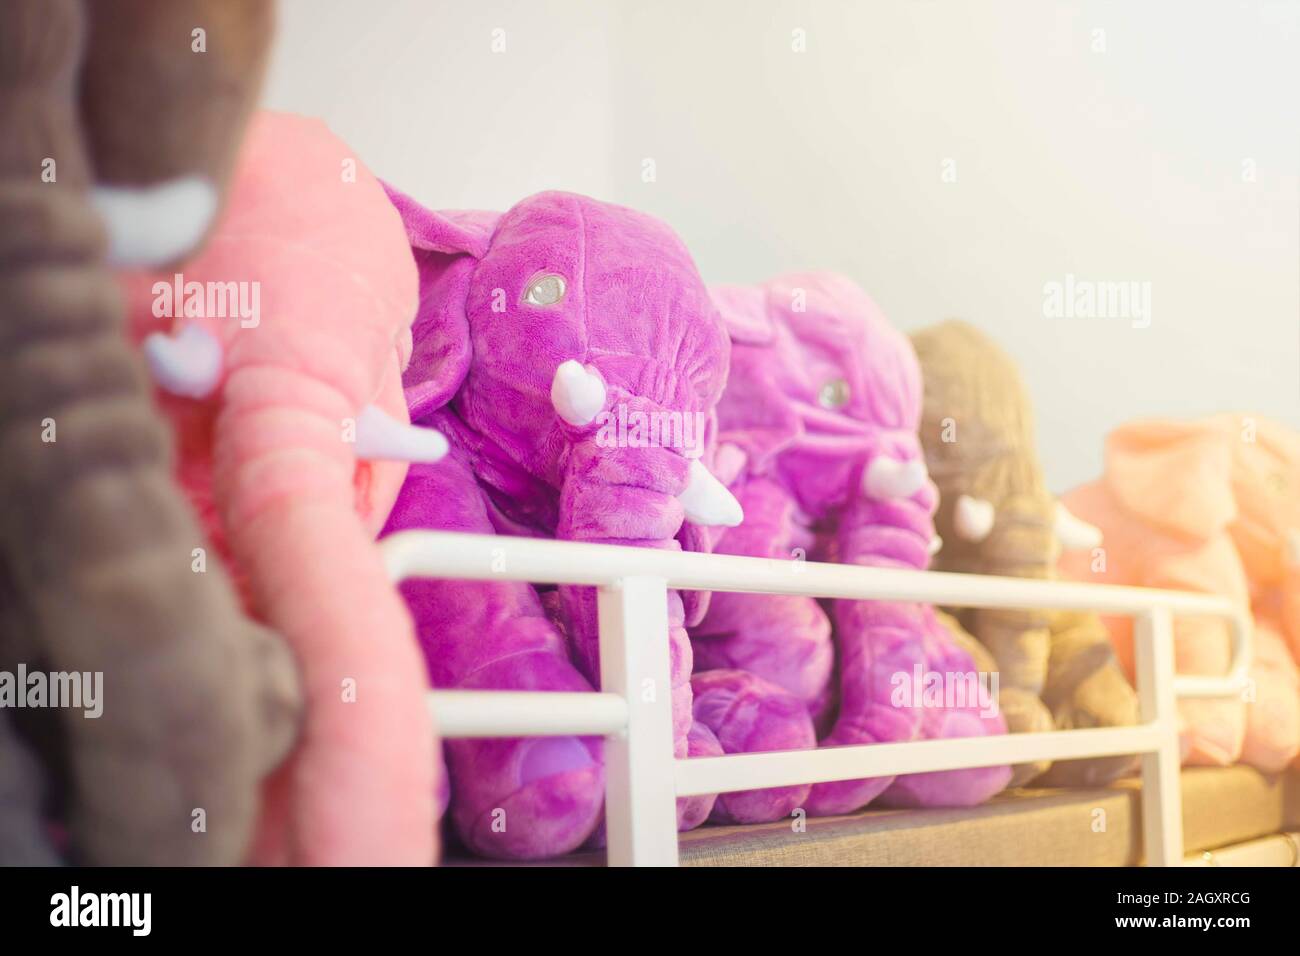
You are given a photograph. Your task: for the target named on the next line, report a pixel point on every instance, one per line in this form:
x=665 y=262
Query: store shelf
x=1237 y=808
x=643 y=778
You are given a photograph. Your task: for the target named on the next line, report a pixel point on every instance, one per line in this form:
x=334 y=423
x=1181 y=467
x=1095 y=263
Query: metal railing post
x=640 y=802
x=1162 y=799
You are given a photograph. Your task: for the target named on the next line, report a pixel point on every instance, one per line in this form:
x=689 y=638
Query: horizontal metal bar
x=475 y=557
x=505 y=713
x=1230 y=685
x=441 y=554
x=789 y=767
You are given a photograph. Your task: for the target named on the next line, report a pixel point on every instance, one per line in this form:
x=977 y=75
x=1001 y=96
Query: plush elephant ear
x=1176 y=475
x=758 y=417
x=447 y=246
x=744 y=313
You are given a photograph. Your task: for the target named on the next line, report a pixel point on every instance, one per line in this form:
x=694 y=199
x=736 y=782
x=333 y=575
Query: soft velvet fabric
x=748 y=714
x=199 y=703
x=636 y=314
x=267 y=462
x=1210 y=505
x=1055 y=668
x=821 y=385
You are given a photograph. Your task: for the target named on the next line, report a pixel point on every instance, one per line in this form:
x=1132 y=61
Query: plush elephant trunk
x=626 y=496
x=630 y=492
x=894 y=533
x=100 y=541
x=1021 y=544
x=877 y=640
x=285 y=473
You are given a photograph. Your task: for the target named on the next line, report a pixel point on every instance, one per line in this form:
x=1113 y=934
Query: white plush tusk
x=380 y=436
x=577 y=394
x=1074 y=533
x=972 y=518
x=187 y=363
x=707 y=501
x=936 y=545
x=887 y=478
x=154 y=225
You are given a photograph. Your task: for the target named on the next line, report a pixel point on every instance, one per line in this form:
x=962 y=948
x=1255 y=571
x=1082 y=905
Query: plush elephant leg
x=973 y=712
x=763 y=661
x=1086 y=688
x=1019 y=641
x=198 y=704
x=1023 y=711
x=1021 y=544
x=785 y=640
x=693 y=811
x=628 y=496
x=876 y=641
x=751 y=715
x=511 y=799
x=688 y=741
x=1272 y=703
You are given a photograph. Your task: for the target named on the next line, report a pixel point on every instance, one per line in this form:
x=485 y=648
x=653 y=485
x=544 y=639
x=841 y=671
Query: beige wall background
x=953 y=157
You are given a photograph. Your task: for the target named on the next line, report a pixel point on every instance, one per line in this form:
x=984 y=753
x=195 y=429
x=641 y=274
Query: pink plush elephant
x=571 y=354
x=818 y=439
x=280 y=350
x=1213 y=506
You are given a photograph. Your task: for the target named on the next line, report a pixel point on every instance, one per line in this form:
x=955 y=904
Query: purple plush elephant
x=817 y=437
x=572 y=355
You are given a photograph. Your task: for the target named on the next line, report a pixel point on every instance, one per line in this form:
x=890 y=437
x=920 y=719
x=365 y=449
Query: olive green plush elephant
x=996 y=516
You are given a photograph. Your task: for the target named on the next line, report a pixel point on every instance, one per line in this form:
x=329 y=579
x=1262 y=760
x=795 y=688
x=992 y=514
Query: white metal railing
x=642 y=777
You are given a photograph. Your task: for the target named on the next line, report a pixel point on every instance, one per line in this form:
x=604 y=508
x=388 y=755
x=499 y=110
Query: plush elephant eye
x=834 y=394
x=545 y=290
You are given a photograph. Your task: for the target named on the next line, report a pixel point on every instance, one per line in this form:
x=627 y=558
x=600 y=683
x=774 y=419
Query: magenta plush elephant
x=817 y=436
x=541 y=334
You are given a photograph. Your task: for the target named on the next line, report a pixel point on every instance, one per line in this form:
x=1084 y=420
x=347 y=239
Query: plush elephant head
x=996 y=516
x=571 y=333
x=1209 y=505
x=824 y=394
x=98 y=551
x=604 y=317
x=288 y=404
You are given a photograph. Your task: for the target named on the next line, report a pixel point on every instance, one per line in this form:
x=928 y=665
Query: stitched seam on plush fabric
x=505 y=657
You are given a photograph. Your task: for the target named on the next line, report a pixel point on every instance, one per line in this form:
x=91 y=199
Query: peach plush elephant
x=1211 y=505
x=996 y=516
x=280 y=350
